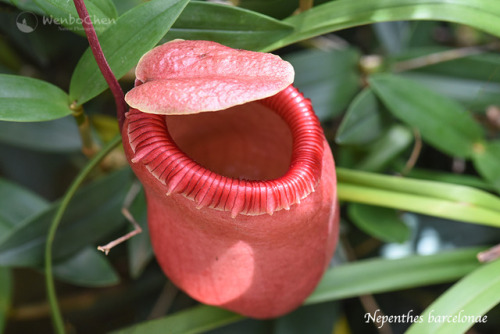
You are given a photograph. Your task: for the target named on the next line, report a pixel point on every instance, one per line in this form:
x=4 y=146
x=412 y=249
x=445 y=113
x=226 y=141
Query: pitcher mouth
x=153 y=146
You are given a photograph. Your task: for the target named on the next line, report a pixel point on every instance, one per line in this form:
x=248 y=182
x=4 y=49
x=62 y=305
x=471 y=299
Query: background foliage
x=408 y=93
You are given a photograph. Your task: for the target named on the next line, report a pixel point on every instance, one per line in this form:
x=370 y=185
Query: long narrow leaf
x=420 y=204
x=463 y=195
x=464 y=305
x=341 y=14
x=195 y=320
x=383 y=275
x=461 y=179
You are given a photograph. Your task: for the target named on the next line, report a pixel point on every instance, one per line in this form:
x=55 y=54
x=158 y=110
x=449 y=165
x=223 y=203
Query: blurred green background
x=408 y=95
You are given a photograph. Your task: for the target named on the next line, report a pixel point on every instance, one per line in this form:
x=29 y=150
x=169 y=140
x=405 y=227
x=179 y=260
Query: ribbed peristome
x=154 y=147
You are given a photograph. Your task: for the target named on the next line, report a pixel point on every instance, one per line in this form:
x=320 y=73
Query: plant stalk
x=95 y=46
x=51 y=293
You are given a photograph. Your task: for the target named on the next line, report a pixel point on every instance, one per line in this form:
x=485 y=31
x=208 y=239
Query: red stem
x=95 y=46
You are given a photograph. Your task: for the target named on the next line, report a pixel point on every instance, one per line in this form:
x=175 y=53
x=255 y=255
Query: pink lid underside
x=187 y=96
x=184 y=77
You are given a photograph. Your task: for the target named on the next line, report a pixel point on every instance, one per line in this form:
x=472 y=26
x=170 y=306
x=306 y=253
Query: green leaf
x=474 y=295
x=198 y=319
x=16 y=205
x=443 y=200
x=388 y=147
x=123 y=44
x=317 y=319
x=24 y=99
x=452 y=129
x=25 y=5
x=422 y=33
x=106 y=6
x=438 y=190
x=60 y=135
x=93 y=214
x=337 y=15
x=393 y=36
x=487 y=161
x=381 y=223
x=275 y=8
x=123 y=6
x=231 y=26
x=102 y=13
x=475 y=95
x=139 y=247
x=467 y=65
x=330 y=79
x=88 y=267
x=383 y=275
x=462 y=179
x=364 y=121
x=5 y=296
